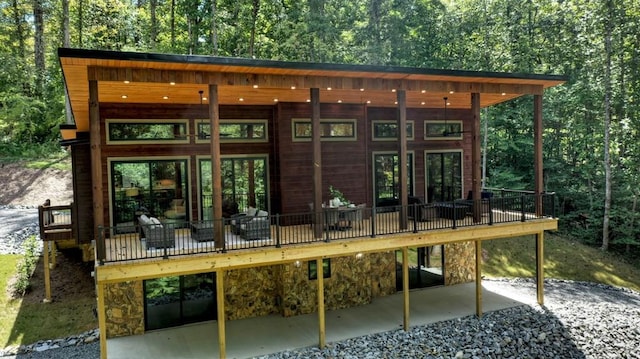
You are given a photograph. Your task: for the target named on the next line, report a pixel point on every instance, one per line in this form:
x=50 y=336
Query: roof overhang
x=128 y=77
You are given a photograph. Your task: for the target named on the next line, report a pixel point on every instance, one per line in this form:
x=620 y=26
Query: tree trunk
x=607 y=127
x=38 y=47
x=254 y=20
x=173 y=24
x=154 y=24
x=214 y=28
x=66 y=37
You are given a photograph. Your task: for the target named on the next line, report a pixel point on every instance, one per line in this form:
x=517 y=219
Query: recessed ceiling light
x=395 y=102
x=241 y=99
x=165 y=97
x=451 y=91
x=172 y=83
x=448 y=103
x=361 y=89
x=393 y=90
x=368 y=101
x=293 y=87
x=339 y=101
x=124 y=96
x=275 y=100
x=204 y=99
x=328 y=88
x=422 y=103
x=503 y=93
x=126 y=81
x=255 y=86
x=308 y=100
x=423 y=91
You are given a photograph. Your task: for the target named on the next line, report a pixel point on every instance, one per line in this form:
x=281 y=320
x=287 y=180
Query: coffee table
x=202 y=232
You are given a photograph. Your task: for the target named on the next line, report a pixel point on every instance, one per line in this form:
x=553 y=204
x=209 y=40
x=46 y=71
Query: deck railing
x=55 y=222
x=174 y=239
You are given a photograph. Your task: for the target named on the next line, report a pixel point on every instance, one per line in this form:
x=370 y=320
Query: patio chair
x=155 y=233
x=421 y=211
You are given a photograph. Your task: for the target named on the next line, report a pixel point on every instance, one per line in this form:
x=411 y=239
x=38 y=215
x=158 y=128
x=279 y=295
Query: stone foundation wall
x=124 y=306
x=460 y=263
x=251 y=292
x=354 y=281
x=382 y=271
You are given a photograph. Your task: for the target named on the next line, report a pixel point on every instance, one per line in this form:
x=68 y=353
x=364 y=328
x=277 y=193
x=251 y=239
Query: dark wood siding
x=82 y=193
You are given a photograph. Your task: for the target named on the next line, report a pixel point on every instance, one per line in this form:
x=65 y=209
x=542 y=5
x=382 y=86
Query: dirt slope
x=31 y=187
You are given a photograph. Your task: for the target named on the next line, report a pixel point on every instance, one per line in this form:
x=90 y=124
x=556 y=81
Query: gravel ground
x=579 y=320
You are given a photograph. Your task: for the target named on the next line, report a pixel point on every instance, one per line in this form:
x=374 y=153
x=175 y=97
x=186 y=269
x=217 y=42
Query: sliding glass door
x=444 y=176
x=155 y=187
x=386 y=182
x=244 y=184
x=177 y=300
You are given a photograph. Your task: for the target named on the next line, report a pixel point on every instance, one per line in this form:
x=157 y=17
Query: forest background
x=591 y=138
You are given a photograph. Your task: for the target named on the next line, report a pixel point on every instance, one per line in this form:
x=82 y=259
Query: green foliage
x=25 y=267
x=16 y=151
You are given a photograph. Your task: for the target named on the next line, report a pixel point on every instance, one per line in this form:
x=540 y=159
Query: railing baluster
x=278 y=231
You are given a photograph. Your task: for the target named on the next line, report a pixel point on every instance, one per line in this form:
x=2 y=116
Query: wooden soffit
x=125 y=77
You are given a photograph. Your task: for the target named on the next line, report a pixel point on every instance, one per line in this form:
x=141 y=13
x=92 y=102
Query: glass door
x=386 y=174
x=154 y=187
x=244 y=185
x=178 y=300
x=444 y=176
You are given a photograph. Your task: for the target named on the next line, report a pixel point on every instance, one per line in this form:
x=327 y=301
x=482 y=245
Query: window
x=330 y=129
x=443 y=130
x=326 y=269
x=234 y=131
x=147 y=131
x=388 y=130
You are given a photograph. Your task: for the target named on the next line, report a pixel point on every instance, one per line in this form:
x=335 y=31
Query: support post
x=95 y=138
x=405 y=287
x=479 y=278
x=222 y=335
x=540 y=267
x=537 y=140
x=402 y=156
x=216 y=167
x=476 y=173
x=102 y=322
x=314 y=94
x=321 y=309
x=47 y=275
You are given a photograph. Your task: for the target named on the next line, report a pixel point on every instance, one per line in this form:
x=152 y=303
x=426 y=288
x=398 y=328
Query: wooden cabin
x=235 y=181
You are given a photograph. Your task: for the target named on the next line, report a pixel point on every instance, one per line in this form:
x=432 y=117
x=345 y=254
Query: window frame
x=457 y=136
x=264 y=122
x=410 y=123
x=110 y=141
x=352 y=121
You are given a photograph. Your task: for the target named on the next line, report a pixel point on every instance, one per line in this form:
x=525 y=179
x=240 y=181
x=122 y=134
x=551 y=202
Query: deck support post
x=318 y=221
x=537 y=162
x=222 y=335
x=476 y=173
x=102 y=322
x=405 y=287
x=402 y=157
x=540 y=267
x=478 y=244
x=95 y=140
x=321 y=309
x=216 y=167
x=47 y=275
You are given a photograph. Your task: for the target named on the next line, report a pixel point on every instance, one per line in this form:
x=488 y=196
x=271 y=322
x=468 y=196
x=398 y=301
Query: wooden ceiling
x=178 y=79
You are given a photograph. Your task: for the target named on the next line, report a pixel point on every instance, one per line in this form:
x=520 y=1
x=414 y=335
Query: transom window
x=330 y=129
x=443 y=130
x=234 y=131
x=388 y=130
x=147 y=131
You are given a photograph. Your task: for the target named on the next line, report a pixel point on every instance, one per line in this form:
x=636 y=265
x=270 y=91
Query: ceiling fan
x=447 y=132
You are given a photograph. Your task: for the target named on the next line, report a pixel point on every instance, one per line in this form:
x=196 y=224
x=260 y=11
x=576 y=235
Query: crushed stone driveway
x=15 y=219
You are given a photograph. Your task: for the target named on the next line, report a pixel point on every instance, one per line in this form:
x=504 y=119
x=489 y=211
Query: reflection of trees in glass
x=388 y=175
x=146 y=131
x=244 y=180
